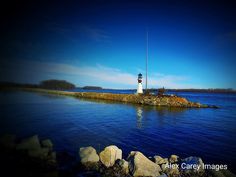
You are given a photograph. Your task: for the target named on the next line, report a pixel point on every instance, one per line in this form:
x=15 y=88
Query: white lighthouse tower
x=140 y=86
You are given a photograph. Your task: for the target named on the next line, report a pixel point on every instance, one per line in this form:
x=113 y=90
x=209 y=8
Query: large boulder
x=109 y=155
x=139 y=165
x=31 y=143
x=88 y=155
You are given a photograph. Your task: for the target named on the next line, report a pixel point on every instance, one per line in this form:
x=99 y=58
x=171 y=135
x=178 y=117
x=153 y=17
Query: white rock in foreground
x=88 y=155
x=109 y=155
x=139 y=165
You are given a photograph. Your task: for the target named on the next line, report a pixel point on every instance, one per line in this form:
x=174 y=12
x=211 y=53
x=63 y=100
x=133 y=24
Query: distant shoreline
x=6 y=85
x=181 y=90
x=174 y=90
x=203 y=90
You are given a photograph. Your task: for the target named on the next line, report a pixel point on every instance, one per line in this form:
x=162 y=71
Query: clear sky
x=192 y=44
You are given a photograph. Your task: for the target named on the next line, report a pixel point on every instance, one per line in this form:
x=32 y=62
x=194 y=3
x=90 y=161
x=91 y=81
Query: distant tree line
x=56 y=85
x=92 y=88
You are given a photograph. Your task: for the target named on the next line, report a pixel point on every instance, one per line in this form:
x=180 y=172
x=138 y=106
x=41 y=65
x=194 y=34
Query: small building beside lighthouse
x=140 y=86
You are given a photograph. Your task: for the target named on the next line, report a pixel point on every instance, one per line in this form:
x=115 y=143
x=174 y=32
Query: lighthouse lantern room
x=140 y=87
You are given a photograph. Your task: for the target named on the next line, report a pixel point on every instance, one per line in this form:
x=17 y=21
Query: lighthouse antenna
x=147 y=64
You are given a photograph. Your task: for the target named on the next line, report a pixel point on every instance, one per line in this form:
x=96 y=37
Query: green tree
x=56 y=84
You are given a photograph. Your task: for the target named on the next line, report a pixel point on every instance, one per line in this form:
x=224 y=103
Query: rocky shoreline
x=34 y=157
x=153 y=100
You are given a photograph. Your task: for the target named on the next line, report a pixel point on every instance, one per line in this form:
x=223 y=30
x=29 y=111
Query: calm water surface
x=72 y=123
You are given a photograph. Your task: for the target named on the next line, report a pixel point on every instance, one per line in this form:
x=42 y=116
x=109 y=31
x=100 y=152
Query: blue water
x=72 y=123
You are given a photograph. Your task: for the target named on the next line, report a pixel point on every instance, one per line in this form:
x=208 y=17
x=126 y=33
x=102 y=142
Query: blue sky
x=192 y=44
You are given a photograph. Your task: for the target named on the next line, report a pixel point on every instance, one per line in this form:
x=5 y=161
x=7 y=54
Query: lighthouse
x=140 y=86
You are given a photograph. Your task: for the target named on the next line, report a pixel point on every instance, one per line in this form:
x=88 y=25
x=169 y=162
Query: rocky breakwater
x=165 y=100
x=153 y=100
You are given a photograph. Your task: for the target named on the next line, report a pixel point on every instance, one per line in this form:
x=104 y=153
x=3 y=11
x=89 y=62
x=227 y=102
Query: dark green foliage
x=92 y=88
x=56 y=85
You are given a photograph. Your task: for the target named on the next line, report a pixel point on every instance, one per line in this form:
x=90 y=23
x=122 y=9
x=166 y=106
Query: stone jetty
x=34 y=157
x=153 y=100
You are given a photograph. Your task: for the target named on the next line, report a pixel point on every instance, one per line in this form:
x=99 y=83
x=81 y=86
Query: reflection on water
x=158 y=112
x=139 y=114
